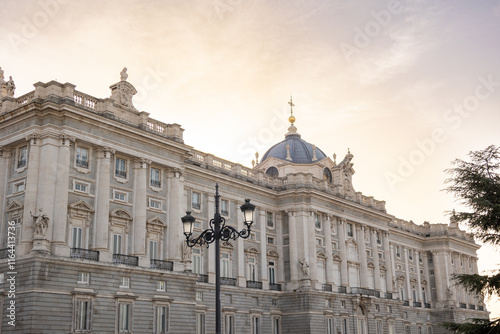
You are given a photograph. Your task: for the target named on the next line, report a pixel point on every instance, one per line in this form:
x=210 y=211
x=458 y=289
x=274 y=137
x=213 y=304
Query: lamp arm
x=206 y=237
x=228 y=232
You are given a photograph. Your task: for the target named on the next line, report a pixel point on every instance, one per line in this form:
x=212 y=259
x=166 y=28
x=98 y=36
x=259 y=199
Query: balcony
x=228 y=281
x=472 y=307
x=121 y=173
x=275 y=286
x=126 y=259
x=162 y=265
x=84 y=254
x=156 y=183
x=342 y=289
x=406 y=303
x=363 y=291
x=388 y=295
x=327 y=287
x=4 y=253
x=254 y=284
x=202 y=278
x=463 y=305
x=427 y=305
x=82 y=163
x=417 y=304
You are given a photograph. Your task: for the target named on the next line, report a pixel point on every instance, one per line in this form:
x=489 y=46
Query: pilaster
x=139 y=226
x=103 y=184
x=4 y=177
x=293 y=248
x=343 y=252
x=327 y=226
x=263 y=250
x=362 y=256
x=376 y=262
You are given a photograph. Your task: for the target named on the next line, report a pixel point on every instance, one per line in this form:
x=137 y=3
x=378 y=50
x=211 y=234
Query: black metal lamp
x=248 y=210
x=187 y=223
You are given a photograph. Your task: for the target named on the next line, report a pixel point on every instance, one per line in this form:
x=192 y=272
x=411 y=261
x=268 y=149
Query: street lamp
x=218 y=231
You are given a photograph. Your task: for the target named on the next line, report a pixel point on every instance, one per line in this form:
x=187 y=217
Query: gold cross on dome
x=291 y=105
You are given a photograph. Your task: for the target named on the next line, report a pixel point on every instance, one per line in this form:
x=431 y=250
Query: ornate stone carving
x=41 y=224
x=305 y=268
x=123 y=74
x=123 y=92
x=10 y=87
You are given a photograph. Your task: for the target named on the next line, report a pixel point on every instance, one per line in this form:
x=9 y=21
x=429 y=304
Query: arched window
x=327 y=175
x=272 y=171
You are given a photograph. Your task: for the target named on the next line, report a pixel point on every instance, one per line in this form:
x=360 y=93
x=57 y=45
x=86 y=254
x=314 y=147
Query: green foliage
x=477 y=326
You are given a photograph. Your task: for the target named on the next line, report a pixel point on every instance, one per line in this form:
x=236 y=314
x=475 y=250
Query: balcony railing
x=228 y=281
x=161 y=264
x=126 y=259
x=86 y=254
x=480 y=308
x=21 y=163
x=472 y=307
x=254 y=284
x=388 y=295
x=82 y=163
x=363 y=291
x=427 y=305
x=342 y=289
x=202 y=278
x=121 y=173
x=406 y=303
x=156 y=183
x=326 y=287
x=275 y=286
x=463 y=305
x=417 y=304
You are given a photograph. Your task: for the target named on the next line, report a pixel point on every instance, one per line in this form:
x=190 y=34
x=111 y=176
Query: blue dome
x=301 y=152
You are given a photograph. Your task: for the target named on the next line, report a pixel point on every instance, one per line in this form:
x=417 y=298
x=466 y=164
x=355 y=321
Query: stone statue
x=11 y=87
x=41 y=224
x=449 y=293
x=2 y=78
x=186 y=254
x=305 y=268
x=123 y=74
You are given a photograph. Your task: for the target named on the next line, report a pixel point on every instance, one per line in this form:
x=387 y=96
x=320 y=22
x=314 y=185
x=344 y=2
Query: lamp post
x=218 y=231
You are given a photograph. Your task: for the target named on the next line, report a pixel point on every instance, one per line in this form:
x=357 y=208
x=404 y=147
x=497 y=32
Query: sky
x=407 y=86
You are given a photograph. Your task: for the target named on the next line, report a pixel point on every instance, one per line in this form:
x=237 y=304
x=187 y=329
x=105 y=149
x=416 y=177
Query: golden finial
x=291 y=119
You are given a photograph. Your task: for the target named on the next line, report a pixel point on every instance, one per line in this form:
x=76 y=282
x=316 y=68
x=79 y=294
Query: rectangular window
x=252 y=273
x=196 y=261
x=344 y=326
x=120 y=196
x=124 y=318
x=121 y=168
x=124 y=282
x=82 y=157
x=81 y=187
x=83 y=315
x=76 y=237
x=272 y=272
x=317 y=222
x=155 y=177
x=200 y=323
x=196 y=201
x=161 y=286
x=398 y=252
x=350 y=230
x=154 y=204
x=256 y=325
x=224 y=207
x=22 y=157
x=229 y=324
x=17 y=222
x=277 y=325
x=153 y=249
x=199 y=296
x=161 y=321
x=269 y=219
x=83 y=278
x=330 y=326
x=253 y=236
x=319 y=241
x=379 y=326
x=271 y=240
x=19 y=187
x=410 y=255
x=117 y=243
x=379 y=240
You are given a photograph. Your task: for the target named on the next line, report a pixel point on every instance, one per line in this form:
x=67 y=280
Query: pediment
x=81 y=205
x=272 y=253
x=337 y=258
x=156 y=221
x=14 y=205
x=252 y=250
x=321 y=255
x=121 y=213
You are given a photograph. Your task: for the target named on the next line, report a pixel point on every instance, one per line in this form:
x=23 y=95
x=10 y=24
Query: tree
x=476 y=184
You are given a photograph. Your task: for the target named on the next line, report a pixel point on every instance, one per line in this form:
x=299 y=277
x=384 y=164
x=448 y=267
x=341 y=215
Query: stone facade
x=96 y=190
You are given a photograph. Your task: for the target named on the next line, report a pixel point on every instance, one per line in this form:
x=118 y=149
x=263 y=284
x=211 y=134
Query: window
x=81 y=187
x=124 y=282
x=22 y=157
x=407 y=329
x=256 y=325
x=161 y=286
x=229 y=324
x=121 y=168
x=390 y=327
x=330 y=326
x=430 y=257
x=82 y=157
x=398 y=252
x=410 y=254
x=120 y=196
x=327 y=175
x=342 y=303
x=155 y=177
x=272 y=272
x=379 y=241
x=270 y=219
x=225 y=265
x=379 y=326
x=76 y=238
x=200 y=323
x=153 y=249
x=83 y=315
x=117 y=243
x=18 y=226
x=381 y=256
x=252 y=272
x=199 y=296
x=224 y=207
x=319 y=241
x=196 y=261
x=277 y=325
x=124 y=317
x=344 y=326
x=83 y=278
x=350 y=230
x=196 y=201
x=317 y=222
x=271 y=240
x=19 y=187
x=429 y=329
x=419 y=330
x=154 y=204
x=161 y=319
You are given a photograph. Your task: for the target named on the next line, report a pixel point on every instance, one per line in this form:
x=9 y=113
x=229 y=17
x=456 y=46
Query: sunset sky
x=407 y=86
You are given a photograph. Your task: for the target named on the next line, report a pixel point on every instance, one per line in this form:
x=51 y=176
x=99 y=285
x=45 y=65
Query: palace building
x=92 y=193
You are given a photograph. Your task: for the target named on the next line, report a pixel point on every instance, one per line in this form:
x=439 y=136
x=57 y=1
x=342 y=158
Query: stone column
x=407 y=275
x=376 y=262
x=30 y=195
x=280 y=274
x=310 y=254
x=419 y=278
x=343 y=252
x=240 y=250
x=176 y=238
x=102 y=202
x=4 y=177
x=293 y=248
x=139 y=225
x=438 y=276
x=362 y=256
x=392 y=270
x=327 y=225
x=425 y=261
x=59 y=241
x=263 y=250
